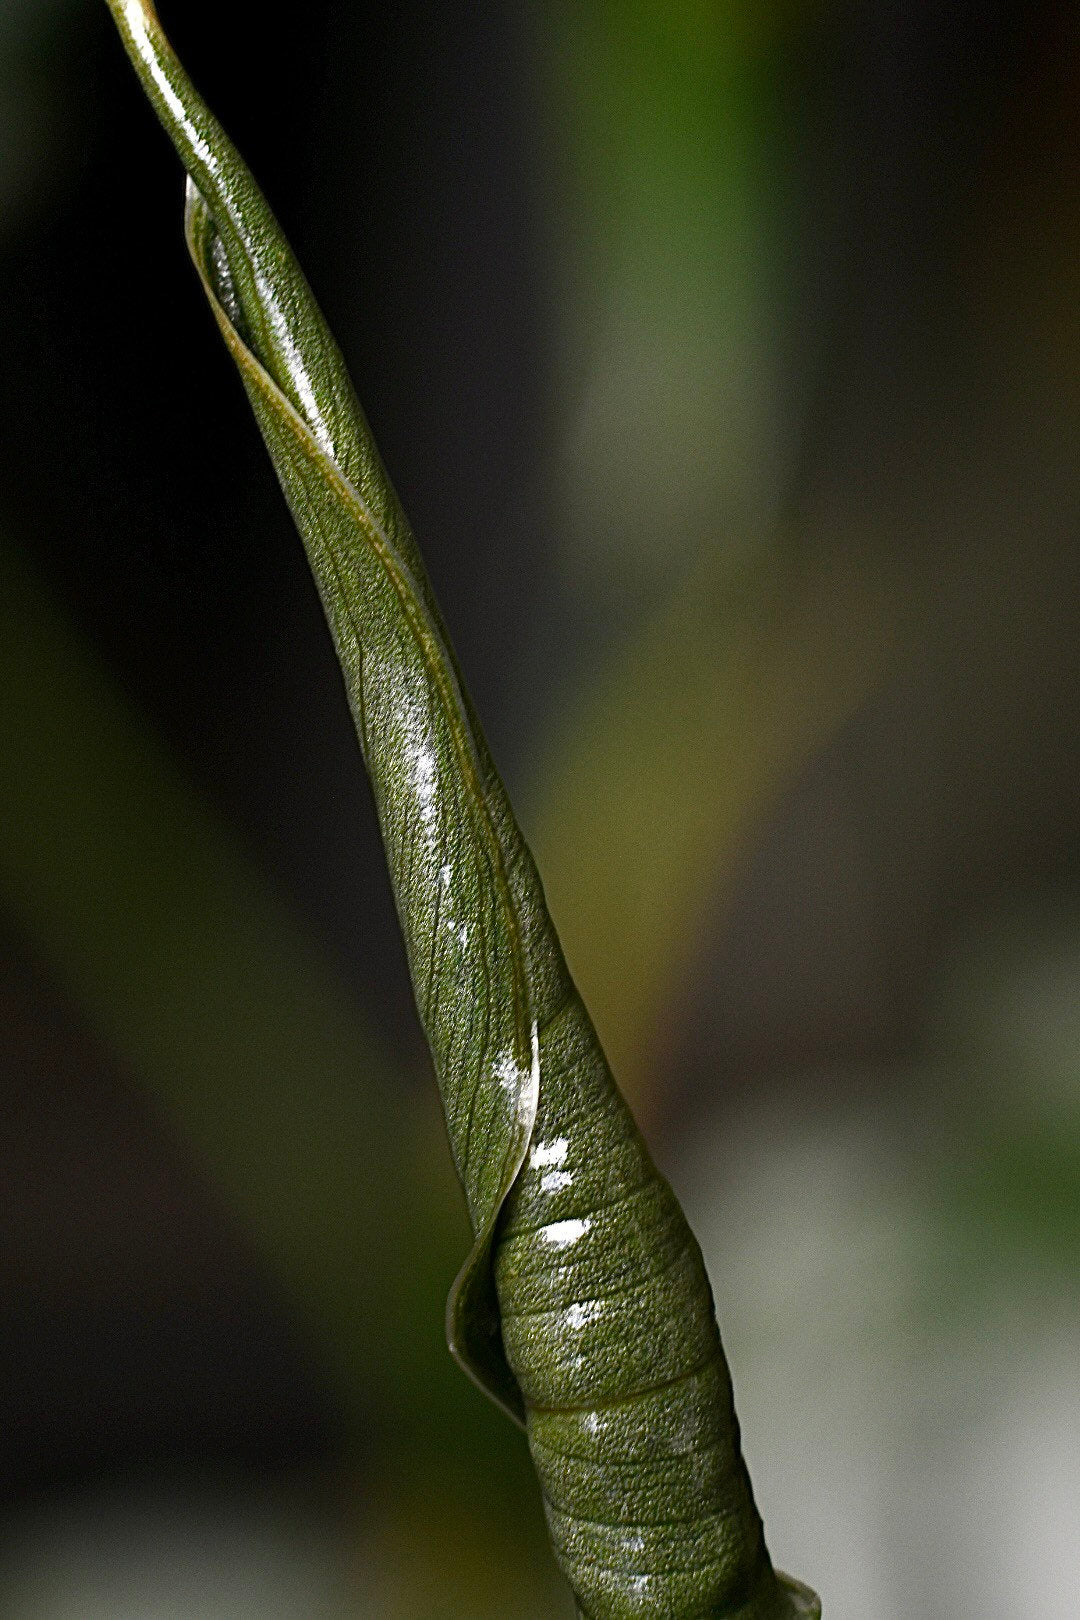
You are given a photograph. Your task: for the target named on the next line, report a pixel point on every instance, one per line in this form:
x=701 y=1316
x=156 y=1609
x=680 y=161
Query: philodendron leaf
x=583 y=1306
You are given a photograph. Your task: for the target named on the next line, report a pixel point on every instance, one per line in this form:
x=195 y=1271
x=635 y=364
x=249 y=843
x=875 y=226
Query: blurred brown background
x=726 y=358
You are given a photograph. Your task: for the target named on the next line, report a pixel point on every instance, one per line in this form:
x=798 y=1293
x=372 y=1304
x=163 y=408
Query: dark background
x=726 y=361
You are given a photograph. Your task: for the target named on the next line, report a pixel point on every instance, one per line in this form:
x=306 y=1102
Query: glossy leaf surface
x=583 y=1306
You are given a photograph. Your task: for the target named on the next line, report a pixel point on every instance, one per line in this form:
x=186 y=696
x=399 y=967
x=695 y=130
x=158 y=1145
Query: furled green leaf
x=583 y=1306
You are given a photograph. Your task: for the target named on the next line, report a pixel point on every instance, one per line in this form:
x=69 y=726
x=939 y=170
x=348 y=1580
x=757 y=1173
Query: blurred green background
x=727 y=358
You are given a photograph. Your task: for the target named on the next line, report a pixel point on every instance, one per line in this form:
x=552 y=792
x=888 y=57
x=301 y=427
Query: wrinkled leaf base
x=797 y=1603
